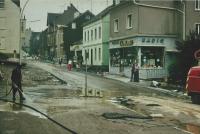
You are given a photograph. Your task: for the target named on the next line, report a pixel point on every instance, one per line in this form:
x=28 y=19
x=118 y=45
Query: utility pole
x=20 y=34
x=86 y=58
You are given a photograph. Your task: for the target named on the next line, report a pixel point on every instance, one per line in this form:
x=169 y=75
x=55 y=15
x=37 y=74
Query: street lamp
x=20 y=36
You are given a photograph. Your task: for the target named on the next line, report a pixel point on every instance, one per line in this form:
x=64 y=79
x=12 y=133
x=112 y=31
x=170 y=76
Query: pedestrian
x=16 y=82
x=132 y=71
x=60 y=61
x=69 y=65
x=136 y=73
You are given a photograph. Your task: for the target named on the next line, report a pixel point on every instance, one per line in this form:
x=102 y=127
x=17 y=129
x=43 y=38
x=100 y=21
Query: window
x=85 y=38
x=88 y=35
x=129 y=21
x=91 y=34
x=95 y=33
x=95 y=52
x=197 y=4
x=197 y=28
x=73 y=25
x=99 y=53
x=2 y=2
x=123 y=56
x=116 y=25
x=99 y=32
x=152 y=57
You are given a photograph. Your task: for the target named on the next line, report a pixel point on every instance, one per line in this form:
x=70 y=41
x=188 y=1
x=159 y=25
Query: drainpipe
x=161 y=7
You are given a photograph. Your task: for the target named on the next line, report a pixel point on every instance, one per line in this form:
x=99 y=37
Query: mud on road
x=62 y=102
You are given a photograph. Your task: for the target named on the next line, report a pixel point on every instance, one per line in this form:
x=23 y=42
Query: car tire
x=195 y=99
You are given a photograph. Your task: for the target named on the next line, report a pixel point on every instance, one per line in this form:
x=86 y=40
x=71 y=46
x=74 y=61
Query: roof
x=51 y=18
x=82 y=15
x=100 y=15
x=17 y=2
x=62 y=18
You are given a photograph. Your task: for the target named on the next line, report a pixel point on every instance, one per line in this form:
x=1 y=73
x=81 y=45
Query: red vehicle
x=193 y=84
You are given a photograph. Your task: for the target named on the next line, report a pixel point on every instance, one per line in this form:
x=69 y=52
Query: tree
x=186 y=58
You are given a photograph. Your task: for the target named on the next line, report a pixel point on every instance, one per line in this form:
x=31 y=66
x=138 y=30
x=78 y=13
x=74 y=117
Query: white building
x=96 y=40
x=9 y=27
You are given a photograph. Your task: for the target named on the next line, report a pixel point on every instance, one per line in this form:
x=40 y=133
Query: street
x=122 y=109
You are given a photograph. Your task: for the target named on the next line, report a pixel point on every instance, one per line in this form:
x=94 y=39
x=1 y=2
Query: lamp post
x=20 y=34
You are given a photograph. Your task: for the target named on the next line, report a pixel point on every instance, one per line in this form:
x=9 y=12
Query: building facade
x=56 y=23
x=96 y=40
x=9 y=27
x=73 y=34
x=26 y=44
x=192 y=13
x=144 y=33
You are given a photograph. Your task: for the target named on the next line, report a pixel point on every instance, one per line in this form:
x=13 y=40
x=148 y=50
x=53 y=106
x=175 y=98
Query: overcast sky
x=38 y=9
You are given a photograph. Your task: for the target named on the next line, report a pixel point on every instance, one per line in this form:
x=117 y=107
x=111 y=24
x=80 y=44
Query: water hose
x=30 y=107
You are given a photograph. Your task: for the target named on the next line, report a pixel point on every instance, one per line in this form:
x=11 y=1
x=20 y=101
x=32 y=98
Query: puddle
x=193 y=128
x=124 y=116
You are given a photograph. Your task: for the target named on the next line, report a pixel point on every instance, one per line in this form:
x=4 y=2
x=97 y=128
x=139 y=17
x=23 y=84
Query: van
x=193 y=84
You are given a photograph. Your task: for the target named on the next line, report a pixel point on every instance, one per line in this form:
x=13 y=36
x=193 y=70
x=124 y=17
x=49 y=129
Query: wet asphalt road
x=110 y=88
x=80 y=114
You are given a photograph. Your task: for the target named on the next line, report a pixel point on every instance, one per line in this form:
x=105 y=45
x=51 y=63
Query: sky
x=36 y=10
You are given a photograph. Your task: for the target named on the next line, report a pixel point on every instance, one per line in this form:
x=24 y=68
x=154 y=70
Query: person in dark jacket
x=16 y=82
x=132 y=71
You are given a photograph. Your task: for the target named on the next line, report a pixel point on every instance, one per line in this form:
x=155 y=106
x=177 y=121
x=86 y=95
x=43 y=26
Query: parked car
x=193 y=84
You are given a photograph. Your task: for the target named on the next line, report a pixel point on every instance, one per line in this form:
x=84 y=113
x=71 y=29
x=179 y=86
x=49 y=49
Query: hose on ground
x=49 y=118
x=6 y=94
x=30 y=107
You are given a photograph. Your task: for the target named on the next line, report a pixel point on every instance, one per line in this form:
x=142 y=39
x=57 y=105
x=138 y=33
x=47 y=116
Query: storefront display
x=152 y=57
x=123 y=56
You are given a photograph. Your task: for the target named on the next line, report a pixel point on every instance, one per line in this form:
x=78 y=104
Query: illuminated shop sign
x=126 y=43
x=152 y=40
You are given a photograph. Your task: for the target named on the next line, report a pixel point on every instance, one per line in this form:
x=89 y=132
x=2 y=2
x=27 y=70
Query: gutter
x=169 y=8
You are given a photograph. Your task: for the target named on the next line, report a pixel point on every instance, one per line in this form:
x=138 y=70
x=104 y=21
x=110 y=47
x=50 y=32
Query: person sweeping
x=16 y=78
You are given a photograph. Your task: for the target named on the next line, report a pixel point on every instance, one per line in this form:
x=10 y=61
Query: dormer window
x=73 y=25
x=87 y=17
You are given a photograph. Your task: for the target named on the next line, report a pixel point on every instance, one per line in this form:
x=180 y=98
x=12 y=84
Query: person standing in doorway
x=136 y=73
x=16 y=78
x=132 y=71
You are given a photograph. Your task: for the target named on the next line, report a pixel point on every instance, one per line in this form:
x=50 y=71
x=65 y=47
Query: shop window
x=152 y=57
x=197 y=4
x=123 y=56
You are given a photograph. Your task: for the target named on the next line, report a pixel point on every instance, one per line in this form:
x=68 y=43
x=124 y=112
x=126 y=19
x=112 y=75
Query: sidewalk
x=142 y=83
x=146 y=84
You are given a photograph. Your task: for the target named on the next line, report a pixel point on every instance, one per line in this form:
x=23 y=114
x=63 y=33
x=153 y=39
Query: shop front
x=150 y=53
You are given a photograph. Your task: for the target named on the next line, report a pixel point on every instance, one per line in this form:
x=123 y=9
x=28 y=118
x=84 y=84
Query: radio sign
x=197 y=54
